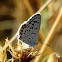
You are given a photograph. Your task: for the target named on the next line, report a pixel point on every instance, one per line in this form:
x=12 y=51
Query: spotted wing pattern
x=28 y=32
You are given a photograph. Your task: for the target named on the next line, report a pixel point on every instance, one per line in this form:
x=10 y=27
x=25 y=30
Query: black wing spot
x=30 y=23
x=26 y=30
x=24 y=33
x=32 y=38
x=23 y=40
x=35 y=28
x=35 y=21
x=32 y=27
x=24 y=24
x=19 y=37
x=29 y=30
x=31 y=33
x=29 y=38
x=20 y=33
x=34 y=33
x=38 y=22
x=33 y=24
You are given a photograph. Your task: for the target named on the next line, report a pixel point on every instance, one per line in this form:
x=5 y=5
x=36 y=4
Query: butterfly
x=29 y=30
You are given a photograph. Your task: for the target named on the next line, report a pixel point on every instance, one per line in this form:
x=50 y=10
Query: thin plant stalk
x=14 y=37
x=41 y=9
x=11 y=40
x=28 y=6
x=49 y=36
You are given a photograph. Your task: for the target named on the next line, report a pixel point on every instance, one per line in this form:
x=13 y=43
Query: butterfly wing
x=29 y=30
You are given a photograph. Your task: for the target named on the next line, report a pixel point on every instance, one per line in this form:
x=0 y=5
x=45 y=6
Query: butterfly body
x=28 y=31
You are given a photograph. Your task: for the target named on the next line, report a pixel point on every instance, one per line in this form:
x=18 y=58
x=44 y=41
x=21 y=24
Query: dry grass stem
x=14 y=37
x=50 y=58
x=42 y=36
x=40 y=10
x=9 y=45
x=28 y=6
x=3 y=55
x=11 y=40
x=50 y=35
x=21 y=54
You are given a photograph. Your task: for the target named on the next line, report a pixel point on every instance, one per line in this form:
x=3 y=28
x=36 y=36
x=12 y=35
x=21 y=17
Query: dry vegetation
x=13 y=13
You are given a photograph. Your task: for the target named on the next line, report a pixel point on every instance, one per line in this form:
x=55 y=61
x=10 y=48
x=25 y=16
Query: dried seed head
x=21 y=54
